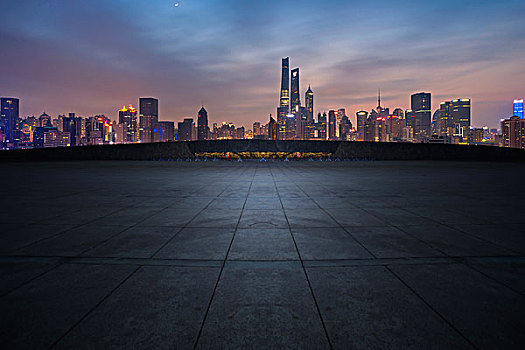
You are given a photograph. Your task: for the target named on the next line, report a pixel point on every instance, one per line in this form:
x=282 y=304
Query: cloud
x=93 y=56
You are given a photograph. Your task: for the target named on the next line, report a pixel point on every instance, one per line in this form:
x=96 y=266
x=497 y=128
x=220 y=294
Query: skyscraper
x=420 y=119
x=362 y=116
x=461 y=115
x=272 y=129
x=309 y=100
x=338 y=119
x=331 y=125
x=295 y=103
x=454 y=118
x=284 y=104
x=321 y=126
x=72 y=125
x=256 y=129
x=202 y=125
x=185 y=130
x=513 y=132
x=128 y=117
x=285 y=85
x=166 y=131
x=517 y=109
x=149 y=117
x=9 y=117
x=344 y=128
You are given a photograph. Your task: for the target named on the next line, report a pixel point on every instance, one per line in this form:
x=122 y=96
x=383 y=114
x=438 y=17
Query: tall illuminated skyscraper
x=332 y=125
x=285 y=85
x=517 y=109
x=148 y=118
x=321 y=126
x=284 y=103
x=421 y=109
x=295 y=103
x=338 y=119
x=361 y=116
x=128 y=117
x=454 y=117
x=9 y=117
x=309 y=100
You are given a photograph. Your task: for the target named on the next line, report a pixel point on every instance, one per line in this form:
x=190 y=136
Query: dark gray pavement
x=227 y=255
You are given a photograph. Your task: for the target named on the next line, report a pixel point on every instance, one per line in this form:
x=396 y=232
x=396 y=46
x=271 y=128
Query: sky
x=93 y=56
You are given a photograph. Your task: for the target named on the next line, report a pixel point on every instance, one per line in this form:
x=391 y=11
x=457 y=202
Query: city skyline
x=88 y=64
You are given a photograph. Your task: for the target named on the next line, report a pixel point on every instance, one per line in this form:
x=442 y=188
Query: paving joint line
x=223 y=264
x=55 y=343
x=325 y=329
x=339 y=224
x=432 y=308
x=187 y=223
x=58 y=263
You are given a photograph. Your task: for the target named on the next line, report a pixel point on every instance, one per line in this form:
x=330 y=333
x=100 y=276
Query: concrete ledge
x=143 y=151
x=426 y=151
x=339 y=149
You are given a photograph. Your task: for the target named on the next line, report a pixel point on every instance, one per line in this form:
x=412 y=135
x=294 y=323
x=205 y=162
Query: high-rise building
x=345 y=127
x=454 y=119
x=361 y=117
x=166 y=131
x=149 y=116
x=285 y=85
x=128 y=117
x=284 y=103
x=341 y=112
x=272 y=129
x=513 y=132
x=331 y=125
x=72 y=125
x=256 y=129
x=295 y=103
x=420 y=119
x=202 y=125
x=9 y=114
x=185 y=130
x=517 y=109
x=309 y=100
x=322 y=124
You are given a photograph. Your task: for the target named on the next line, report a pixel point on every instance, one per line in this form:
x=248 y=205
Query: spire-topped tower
x=379 y=108
x=285 y=84
x=309 y=99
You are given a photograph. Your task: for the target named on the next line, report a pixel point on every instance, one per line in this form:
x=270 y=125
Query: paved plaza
x=251 y=255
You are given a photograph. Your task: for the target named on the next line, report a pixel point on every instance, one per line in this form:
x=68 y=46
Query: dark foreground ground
x=262 y=255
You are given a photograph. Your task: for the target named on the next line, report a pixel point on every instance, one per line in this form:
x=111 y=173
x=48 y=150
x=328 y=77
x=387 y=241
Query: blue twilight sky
x=93 y=56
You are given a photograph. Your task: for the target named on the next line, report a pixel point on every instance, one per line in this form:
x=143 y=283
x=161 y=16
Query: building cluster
x=71 y=130
x=450 y=123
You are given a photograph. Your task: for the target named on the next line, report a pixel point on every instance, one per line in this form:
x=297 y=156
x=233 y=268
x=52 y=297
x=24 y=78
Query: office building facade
x=9 y=114
x=148 y=118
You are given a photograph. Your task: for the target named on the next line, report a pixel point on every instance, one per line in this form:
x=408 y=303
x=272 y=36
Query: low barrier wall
x=338 y=149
